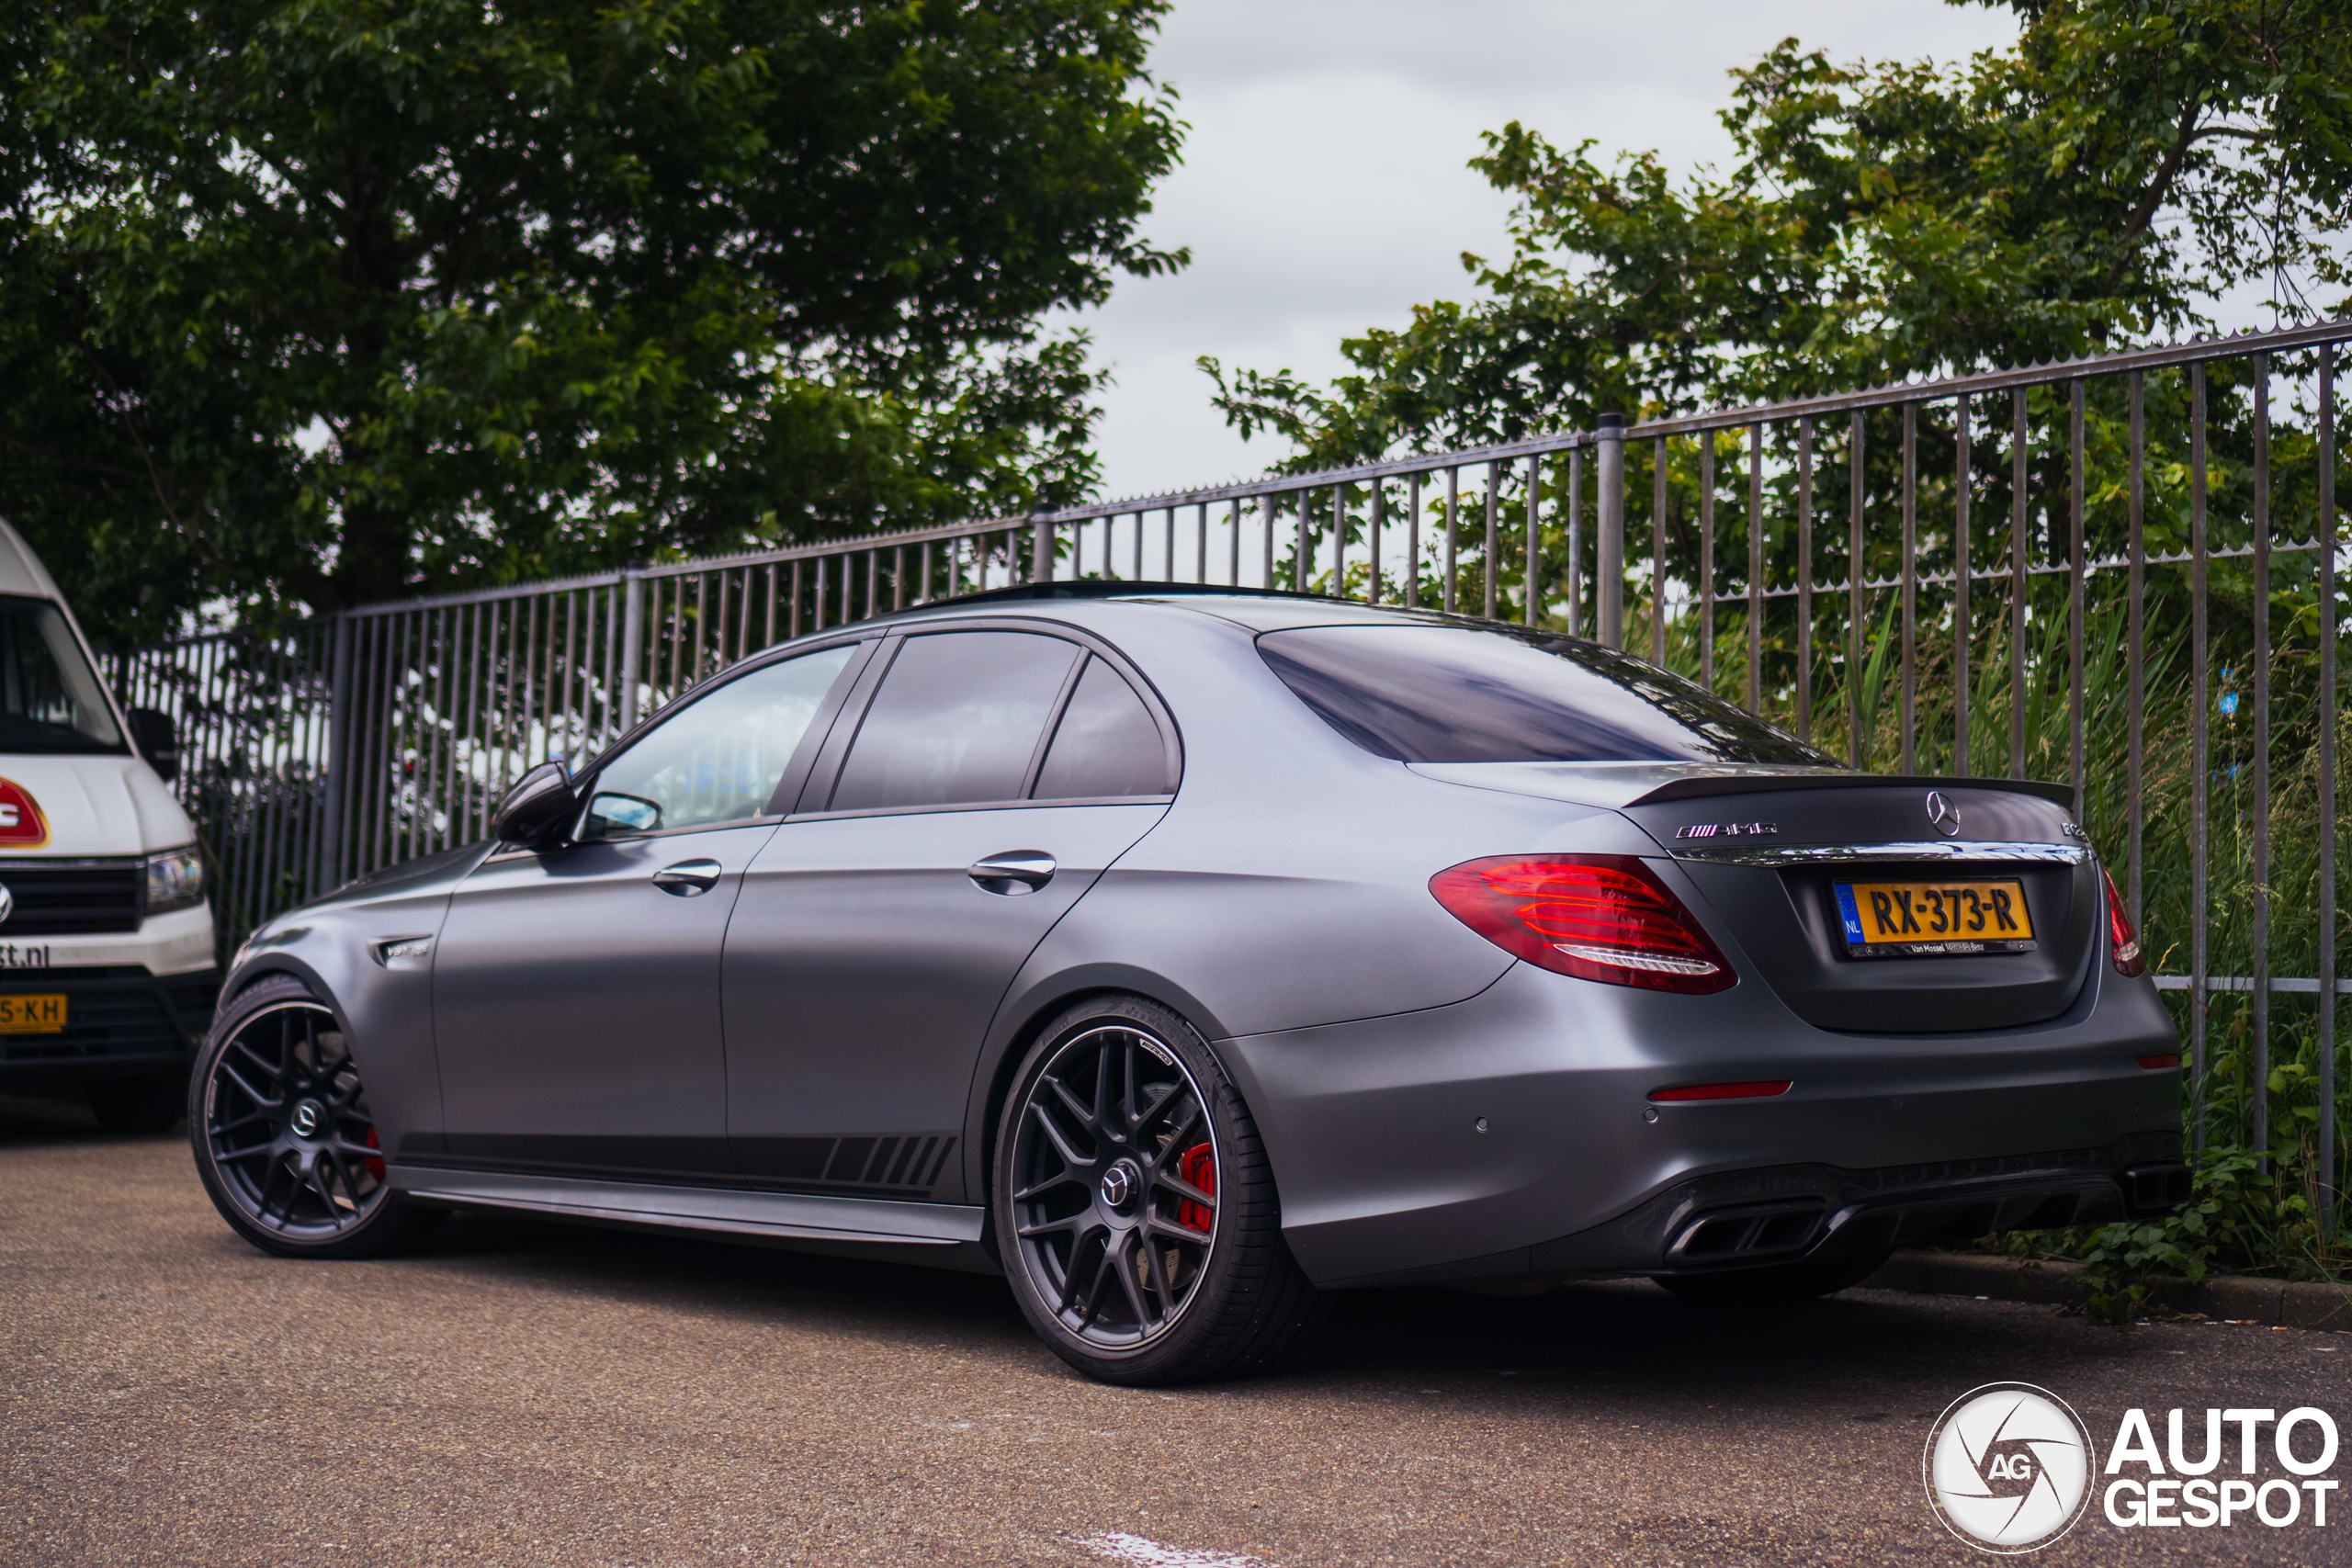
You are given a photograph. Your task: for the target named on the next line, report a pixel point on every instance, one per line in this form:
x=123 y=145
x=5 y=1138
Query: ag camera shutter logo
x=2009 y=1468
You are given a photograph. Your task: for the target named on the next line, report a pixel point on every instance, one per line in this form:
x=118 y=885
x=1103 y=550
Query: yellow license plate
x=32 y=1015
x=1893 y=919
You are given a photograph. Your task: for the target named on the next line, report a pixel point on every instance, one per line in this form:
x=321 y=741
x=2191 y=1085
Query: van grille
x=55 y=900
x=116 y=1010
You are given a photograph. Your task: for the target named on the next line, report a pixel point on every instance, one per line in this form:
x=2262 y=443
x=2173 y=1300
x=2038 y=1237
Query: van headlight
x=174 y=880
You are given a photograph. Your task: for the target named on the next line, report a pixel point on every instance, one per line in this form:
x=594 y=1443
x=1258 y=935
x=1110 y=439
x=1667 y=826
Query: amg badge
x=1727 y=830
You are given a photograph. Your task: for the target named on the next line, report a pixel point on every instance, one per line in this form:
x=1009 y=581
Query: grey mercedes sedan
x=1186 y=955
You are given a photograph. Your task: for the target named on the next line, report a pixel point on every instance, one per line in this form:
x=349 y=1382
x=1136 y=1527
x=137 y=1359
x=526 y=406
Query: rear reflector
x=1764 y=1090
x=1597 y=917
x=2123 y=943
x=2157 y=1064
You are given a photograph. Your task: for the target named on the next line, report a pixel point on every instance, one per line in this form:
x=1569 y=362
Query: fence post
x=632 y=642
x=1041 y=550
x=2327 y=623
x=327 y=873
x=1609 y=545
x=1575 y=523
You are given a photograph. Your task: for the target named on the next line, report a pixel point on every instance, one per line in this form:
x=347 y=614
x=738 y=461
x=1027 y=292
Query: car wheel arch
x=1022 y=1021
x=281 y=967
x=412 y=1120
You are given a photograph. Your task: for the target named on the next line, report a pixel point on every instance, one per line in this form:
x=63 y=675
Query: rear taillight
x=2125 y=945
x=1596 y=917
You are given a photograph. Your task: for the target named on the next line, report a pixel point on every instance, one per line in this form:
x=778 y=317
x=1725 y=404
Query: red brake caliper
x=375 y=1168
x=1199 y=1168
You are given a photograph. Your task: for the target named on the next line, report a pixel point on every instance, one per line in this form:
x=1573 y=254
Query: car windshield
x=1446 y=693
x=49 y=698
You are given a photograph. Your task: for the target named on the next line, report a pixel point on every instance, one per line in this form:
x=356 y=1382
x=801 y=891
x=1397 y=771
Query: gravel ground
x=521 y=1392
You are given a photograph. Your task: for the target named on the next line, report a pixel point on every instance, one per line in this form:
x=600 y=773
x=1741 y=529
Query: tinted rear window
x=1107 y=744
x=1431 y=693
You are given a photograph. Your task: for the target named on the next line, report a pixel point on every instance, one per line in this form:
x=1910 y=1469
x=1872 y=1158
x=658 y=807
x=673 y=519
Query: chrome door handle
x=688 y=877
x=1014 y=872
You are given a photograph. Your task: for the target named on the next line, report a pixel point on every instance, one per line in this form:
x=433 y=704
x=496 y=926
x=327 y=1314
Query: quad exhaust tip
x=1766 y=1233
x=2157 y=1188
x=1756 y=1231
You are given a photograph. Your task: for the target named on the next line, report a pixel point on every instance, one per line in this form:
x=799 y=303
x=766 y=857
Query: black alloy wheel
x=284 y=1141
x=1116 y=1209
x=1134 y=1207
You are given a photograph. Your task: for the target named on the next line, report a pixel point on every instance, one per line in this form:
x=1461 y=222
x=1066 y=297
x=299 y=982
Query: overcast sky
x=1323 y=188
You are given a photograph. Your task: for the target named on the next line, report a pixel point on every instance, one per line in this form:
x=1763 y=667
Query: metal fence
x=2120 y=572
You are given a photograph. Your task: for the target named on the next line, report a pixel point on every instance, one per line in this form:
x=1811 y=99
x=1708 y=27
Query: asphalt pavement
x=528 y=1392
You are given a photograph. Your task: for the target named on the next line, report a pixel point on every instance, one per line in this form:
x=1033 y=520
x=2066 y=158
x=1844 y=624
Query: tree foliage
x=323 y=301
x=2102 y=182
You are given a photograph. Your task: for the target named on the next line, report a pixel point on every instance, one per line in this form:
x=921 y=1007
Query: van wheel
x=151 y=1104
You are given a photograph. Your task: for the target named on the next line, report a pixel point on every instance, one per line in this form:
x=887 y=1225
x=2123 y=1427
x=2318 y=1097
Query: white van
x=107 y=972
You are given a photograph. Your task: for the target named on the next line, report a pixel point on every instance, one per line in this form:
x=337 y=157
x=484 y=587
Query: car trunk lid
x=1808 y=877
x=1768 y=848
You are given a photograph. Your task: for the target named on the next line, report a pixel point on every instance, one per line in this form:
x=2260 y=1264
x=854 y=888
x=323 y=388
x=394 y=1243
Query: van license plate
x=1903 y=919
x=32 y=1015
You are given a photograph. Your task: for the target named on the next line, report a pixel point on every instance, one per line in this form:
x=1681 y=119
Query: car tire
x=1777 y=1284
x=284 y=1143
x=1133 y=1206
x=151 y=1104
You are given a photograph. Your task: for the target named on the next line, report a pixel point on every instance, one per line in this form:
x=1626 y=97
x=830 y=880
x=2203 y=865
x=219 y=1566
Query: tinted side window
x=1433 y=694
x=956 y=721
x=1105 y=743
x=717 y=759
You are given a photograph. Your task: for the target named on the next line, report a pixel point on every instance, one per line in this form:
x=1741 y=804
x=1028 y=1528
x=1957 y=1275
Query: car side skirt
x=942 y=1235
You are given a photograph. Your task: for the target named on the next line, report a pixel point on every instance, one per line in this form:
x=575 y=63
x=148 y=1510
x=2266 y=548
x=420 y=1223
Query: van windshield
x=49 y=698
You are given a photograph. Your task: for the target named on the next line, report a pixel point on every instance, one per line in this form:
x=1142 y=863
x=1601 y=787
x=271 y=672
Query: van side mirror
x=537 y=809
x=157 y=739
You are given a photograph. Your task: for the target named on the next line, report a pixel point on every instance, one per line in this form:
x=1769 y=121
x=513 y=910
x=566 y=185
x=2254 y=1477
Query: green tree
x=314 y=302
x=2128 y=161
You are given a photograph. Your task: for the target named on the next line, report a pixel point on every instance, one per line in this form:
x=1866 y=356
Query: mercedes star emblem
x=1944 y=814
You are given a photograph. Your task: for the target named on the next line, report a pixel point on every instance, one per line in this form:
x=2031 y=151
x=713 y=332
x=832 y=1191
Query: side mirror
x=157 y=739
x=611 y=815
x=536 y=809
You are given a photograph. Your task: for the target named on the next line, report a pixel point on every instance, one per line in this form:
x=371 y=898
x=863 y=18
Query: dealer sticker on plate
x=1903 y=920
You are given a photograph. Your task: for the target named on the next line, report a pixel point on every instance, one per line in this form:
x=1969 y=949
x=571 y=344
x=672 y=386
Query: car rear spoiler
x=1757 y=783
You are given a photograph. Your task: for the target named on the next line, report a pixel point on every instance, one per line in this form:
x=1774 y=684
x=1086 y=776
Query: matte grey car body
x=811 y=1046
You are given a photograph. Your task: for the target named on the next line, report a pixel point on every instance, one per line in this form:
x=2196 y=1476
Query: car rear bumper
x=1742 y=1219
x=1514 y=1134
x=121 y=1022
